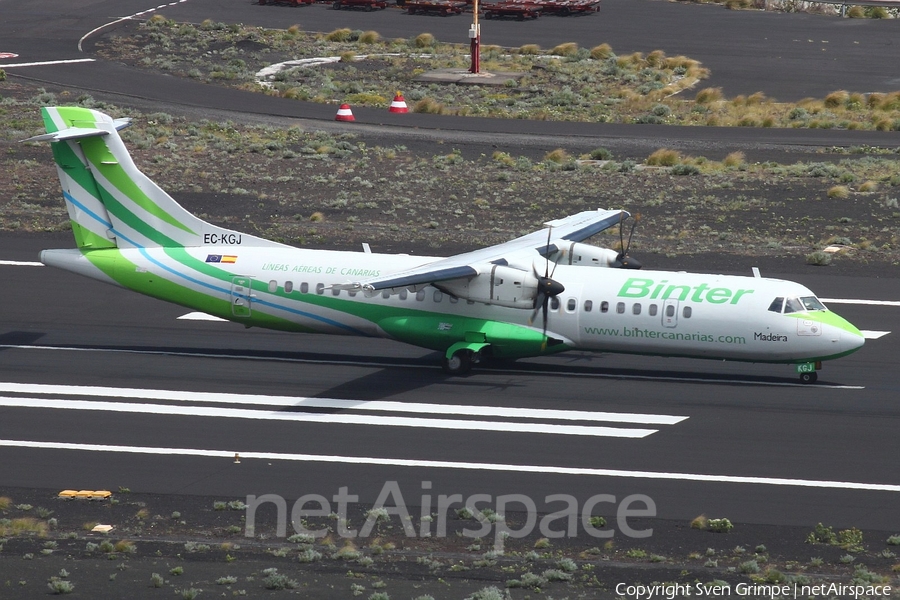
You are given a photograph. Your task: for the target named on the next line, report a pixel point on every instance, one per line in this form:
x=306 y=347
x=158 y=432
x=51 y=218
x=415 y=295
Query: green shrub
x=719 y=525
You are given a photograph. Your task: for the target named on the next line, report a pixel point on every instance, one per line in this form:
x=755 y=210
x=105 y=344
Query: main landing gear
x=458 y=364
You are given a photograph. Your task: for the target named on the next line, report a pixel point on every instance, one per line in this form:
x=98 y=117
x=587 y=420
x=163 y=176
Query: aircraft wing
x=574 y=228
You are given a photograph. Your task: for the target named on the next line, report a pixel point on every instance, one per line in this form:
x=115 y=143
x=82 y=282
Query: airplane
x=542 y=293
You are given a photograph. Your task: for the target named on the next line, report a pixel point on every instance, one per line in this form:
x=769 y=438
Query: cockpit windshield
x=794 y=304
x=812 y=303
x=804 y=304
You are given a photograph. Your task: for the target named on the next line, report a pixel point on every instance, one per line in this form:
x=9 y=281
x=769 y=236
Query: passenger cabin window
x=571 y=304
x=386 y=294
x=273 y=286
x=554 y=303
x=670 y=310
x=335 y=291
x=777 y=305
x=403 y=294
x=652 y=310
x=453 y=299
x=304 y=288
x=420 y=295
x=352 y=293
x=687 y=312
x=636 y=308
x=438 y=295
x=604 y=306
x=288 y=287
x=588 y=305
x=320 y=288
x=620 y=308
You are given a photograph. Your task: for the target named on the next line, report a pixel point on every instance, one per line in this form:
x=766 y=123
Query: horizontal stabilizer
x=72 y=133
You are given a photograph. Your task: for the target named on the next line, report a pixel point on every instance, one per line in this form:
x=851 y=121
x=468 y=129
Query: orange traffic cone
x=344 y=113
x=398 y=104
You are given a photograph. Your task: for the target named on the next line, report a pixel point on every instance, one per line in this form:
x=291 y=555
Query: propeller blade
x=538 y=303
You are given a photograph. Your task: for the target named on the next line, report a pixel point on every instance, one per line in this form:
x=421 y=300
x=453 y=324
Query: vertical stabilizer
x=111 y=202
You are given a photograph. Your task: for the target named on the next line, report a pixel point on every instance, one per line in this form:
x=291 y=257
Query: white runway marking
x=342 y=404
x=21 y=263
x=200 y=316
x=860 y=301
x=50 y=62
x=873 y=335
x=340 y=419
x=129 y=17
x=437 y=464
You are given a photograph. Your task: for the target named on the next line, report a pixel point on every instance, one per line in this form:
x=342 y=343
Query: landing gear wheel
x=809 y=377
x=458 y=364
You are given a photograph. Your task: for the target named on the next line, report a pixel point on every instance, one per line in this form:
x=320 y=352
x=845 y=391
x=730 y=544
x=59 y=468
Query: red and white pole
x=475 y=41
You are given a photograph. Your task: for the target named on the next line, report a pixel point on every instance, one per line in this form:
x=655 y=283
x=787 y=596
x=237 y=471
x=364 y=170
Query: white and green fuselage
x=131 y=233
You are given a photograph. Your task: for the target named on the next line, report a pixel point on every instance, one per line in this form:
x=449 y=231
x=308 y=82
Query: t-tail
x=111 y=203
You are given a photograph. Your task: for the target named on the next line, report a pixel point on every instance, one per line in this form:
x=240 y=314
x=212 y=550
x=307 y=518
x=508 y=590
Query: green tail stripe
x=97 y=152
x=77 y=172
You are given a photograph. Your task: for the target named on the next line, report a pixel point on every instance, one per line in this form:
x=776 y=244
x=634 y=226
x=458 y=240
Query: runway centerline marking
x=437 y=464
x=320 y=418
x=342 y=404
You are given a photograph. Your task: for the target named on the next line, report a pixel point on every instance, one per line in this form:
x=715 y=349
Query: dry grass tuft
x=5 y=503
x=24 y=526
x=348 y=56
x=699 y=522
x=839 y=191
x=316 y=217
x=601 y=52
x=567 y=49
x=429 y=106
x=664 y=158
x=294 y=29
x=657 y=58
x=734 y=159
x=530 y=49
x=836 y=99
x=868 y=186
x=708 y=95
x=558 y=156
x=339 y=35
x=125 y=547
x=425 y=40
x=369 y=37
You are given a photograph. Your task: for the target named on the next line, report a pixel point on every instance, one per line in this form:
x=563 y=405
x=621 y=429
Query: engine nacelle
x=501 y=285
x=583 y=255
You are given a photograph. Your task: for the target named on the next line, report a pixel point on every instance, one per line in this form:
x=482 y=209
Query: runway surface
x=172 y=400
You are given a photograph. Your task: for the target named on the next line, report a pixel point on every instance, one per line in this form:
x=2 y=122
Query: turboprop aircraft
x=471 y=306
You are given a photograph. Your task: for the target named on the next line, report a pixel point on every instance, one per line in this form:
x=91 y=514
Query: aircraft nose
x=850 y=338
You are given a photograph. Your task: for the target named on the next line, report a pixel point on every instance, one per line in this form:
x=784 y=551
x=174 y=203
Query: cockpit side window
x=777 y=305
x=793 y=305
x=812 y=303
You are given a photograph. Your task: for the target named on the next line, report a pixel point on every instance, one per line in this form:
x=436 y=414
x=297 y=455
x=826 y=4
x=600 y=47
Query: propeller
x=547 y=287
x=623 y=261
